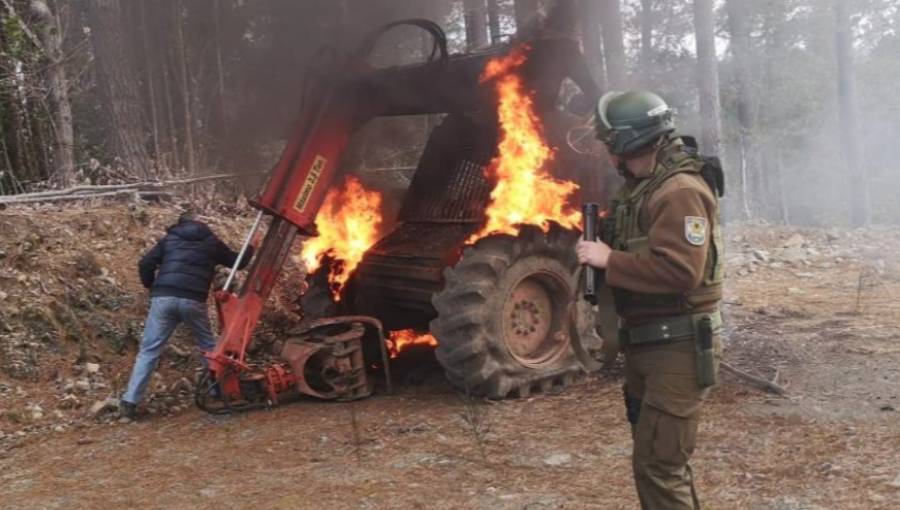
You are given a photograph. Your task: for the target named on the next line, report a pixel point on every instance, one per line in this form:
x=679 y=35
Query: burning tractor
x=480 y=261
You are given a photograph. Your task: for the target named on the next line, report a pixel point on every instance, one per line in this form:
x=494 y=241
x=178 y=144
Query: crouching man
x=178 y=271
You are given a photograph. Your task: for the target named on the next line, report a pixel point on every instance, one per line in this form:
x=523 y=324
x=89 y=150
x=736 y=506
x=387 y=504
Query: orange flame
x=348 y=226
x=525 y=190
x=398 y=341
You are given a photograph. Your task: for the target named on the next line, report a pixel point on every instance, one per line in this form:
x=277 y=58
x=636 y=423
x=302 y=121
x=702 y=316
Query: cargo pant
x=664 y=403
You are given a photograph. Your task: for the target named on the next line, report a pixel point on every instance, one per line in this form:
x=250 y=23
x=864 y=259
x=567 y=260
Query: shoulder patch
x=695 y=230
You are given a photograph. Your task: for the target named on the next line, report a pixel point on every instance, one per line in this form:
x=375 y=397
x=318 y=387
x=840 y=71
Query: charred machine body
x=497 y=306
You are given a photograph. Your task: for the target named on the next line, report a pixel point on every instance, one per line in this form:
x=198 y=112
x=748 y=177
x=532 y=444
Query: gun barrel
x=590 y=216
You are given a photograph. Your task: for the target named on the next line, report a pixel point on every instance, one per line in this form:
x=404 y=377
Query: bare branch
x=754 y=381
x=31 y=36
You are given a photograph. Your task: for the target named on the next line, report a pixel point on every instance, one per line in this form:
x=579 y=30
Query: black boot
x=128 y=410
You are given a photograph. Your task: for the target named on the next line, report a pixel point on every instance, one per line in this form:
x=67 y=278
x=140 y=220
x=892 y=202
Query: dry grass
x=292 y=458
x=827 y=446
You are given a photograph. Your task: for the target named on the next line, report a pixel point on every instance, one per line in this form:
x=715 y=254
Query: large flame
x=401 y=340
x=348 y=224
x=525 y=192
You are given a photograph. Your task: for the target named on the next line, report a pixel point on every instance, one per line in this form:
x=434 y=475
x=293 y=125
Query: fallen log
x=111 y=190
x=143 y=195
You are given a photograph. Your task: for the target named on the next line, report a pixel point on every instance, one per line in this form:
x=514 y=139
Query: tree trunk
x=11 y=125
x=167 y=63
x=854 y=161
x=6 y=164
x=526 y=13
x=646 y=58
x=21 y=162
x=35 y=136
x=151 y=90
x=613 y=43
x=5 y=114
x=476 y=27
x=493 y=7
x=181 y=54
x=708 y=79
x=11 y=120
x=220 y=71
x=769 y=131
x=64 y=139
x=593 y=47
x=748 y=157
x=784 y=211
x=119 y=85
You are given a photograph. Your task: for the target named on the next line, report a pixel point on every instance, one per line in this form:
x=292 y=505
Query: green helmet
x=630 y=121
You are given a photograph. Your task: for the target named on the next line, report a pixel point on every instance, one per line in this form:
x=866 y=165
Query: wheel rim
x=533 y=320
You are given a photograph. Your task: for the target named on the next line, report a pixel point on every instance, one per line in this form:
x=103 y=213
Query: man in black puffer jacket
x=178 y=271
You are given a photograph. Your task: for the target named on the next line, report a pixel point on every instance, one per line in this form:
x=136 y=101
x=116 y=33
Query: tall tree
x=9 y=105
x=150 y=81
x=646 y=56
x=22 y=58
x=220 y=67
x=748 y=157
x=613 y=43
x=167 y=64
x=493 y=7
x=593 y=45
x=708 y=79
x=775 y=32
x=848 y=121
x=119 y=85
x=64 y=139
x=185 y=79
x=526 y=12
x=476 y=27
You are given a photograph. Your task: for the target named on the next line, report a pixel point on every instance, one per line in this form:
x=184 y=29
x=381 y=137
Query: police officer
x=662 y=256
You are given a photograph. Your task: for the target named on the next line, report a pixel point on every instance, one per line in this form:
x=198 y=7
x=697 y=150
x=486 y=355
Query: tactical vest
x=625 y=230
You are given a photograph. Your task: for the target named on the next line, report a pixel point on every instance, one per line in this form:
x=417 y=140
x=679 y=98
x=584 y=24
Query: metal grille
x=450 y=184
x=462 y=196
x=424 y=240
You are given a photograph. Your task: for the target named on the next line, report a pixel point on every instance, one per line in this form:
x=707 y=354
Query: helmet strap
x=659 y=143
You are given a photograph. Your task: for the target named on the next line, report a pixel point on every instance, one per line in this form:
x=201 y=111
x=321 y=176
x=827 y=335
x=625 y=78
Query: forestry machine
x=498 y=307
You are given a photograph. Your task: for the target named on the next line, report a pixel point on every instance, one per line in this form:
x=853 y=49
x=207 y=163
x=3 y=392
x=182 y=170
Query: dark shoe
x=128 y=410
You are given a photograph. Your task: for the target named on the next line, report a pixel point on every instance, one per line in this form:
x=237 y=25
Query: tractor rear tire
x=501 y=324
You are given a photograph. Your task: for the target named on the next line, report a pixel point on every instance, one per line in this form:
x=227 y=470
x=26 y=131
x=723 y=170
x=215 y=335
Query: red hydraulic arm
x=293 y=195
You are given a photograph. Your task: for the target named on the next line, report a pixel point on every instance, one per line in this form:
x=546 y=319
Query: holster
x=707 y=365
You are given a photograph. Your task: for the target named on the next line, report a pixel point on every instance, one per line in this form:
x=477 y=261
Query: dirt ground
x=815 y=310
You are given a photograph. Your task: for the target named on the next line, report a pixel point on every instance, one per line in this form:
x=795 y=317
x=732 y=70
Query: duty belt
x=674 y=328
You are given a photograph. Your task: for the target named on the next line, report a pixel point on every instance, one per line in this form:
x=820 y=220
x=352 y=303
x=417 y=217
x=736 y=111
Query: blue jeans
x=165 y=314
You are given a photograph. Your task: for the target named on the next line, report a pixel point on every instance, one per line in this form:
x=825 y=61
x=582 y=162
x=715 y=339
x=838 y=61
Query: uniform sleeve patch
x=695 y=230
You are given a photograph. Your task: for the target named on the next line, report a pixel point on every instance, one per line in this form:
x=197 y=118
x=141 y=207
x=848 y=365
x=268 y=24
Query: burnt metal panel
x=443 y=207
x=463 y=197
x=398 y=276
x=450 y=183
x=413 y=241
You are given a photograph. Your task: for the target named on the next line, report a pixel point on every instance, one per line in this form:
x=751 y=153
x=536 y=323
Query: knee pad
x=632 y=408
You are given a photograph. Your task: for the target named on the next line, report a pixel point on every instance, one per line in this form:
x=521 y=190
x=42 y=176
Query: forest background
x=800 y=97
